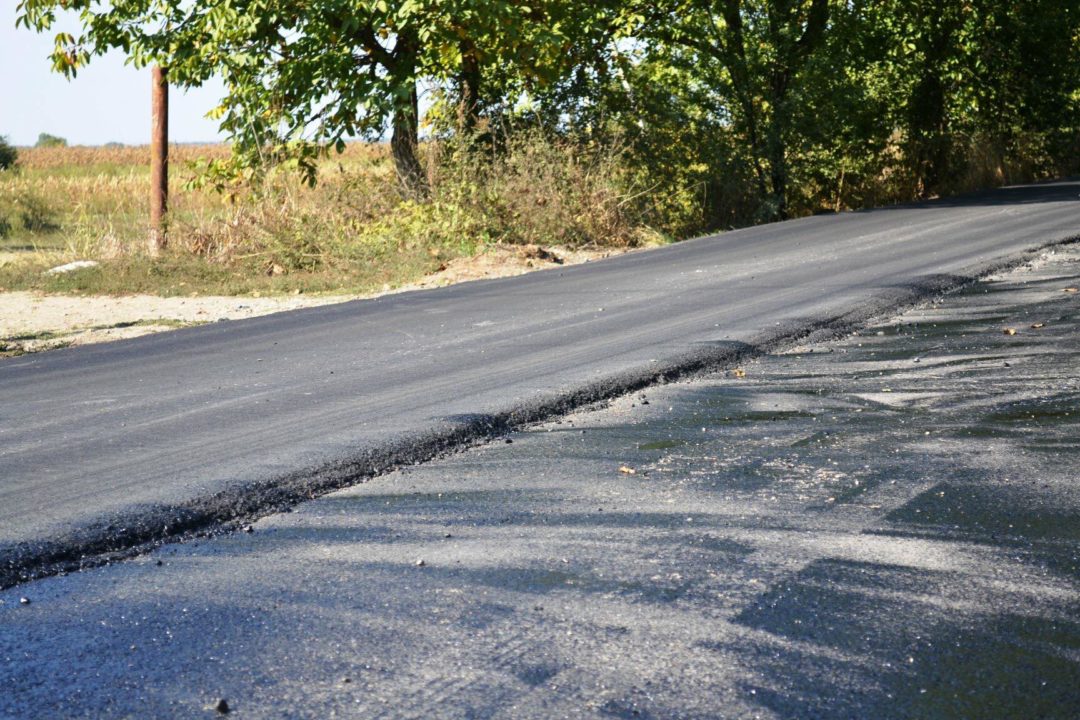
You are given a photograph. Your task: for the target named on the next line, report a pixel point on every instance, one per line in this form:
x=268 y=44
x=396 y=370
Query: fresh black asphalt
x=111 y=447
x=885 y=526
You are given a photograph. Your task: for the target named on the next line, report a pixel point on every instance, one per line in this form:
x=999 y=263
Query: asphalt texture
x=117 y=446
x=883 y=526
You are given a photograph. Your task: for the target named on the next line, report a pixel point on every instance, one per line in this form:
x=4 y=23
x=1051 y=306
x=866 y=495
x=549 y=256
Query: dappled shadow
x=869 y=641
x=991 y=512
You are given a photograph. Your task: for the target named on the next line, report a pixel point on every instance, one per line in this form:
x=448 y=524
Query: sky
x=107 y=102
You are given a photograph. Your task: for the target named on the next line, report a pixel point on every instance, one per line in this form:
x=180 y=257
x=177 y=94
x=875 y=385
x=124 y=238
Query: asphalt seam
x=143 y=529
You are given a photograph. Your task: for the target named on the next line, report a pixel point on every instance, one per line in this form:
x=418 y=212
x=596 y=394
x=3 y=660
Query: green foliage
x=726 y=112
x=45 y=140
x=9 y=156
x=304 y=76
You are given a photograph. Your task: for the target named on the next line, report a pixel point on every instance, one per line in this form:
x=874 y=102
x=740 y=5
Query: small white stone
x=71 y=267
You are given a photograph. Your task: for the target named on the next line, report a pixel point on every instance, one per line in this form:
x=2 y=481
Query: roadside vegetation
x=355 y=231
x=615 y=123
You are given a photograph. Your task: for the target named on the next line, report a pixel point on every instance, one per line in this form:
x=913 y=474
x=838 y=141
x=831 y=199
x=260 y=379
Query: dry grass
x=353 y=232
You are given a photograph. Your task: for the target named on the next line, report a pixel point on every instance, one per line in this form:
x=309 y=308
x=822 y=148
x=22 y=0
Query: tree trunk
x=404 y=143
x=929 y=132
x=768 y=133
x=776 y=146
x=928 y=123
x=470 y=87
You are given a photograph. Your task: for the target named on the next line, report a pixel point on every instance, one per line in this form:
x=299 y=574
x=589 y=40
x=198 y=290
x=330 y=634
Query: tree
x=9 y=156
x=985 y=77
x=306 y=74
x=45 y=140
x=755 y=53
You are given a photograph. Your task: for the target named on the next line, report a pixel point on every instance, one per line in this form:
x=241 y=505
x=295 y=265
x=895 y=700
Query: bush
x=25 y=210
x=528 y=189
x=45 y=140
x=542 y=190
x=9 y=156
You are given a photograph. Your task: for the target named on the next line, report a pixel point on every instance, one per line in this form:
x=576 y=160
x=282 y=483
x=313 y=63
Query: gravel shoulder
x=884 y=526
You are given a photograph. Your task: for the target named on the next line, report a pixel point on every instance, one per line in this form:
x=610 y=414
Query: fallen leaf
x=1036 y=326
x=738 y=372
x=1009 y=331
x=627 y=470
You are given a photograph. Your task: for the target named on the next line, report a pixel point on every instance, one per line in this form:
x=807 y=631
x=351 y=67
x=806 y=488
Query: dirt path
x=31 y=322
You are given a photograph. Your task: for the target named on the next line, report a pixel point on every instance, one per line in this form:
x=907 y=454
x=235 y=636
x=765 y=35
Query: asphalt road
x=106 y=447
x=886 y=526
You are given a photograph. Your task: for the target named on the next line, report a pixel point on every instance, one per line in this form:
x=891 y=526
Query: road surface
x=110 y=447
x=882 y=527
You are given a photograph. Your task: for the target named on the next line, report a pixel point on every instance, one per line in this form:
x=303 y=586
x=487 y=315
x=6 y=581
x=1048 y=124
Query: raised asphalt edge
x=144 y=528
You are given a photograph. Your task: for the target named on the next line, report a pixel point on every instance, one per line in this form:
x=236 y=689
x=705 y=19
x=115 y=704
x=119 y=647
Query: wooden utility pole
x=159 y=160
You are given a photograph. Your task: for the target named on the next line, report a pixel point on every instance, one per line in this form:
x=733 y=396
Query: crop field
x=69 y=198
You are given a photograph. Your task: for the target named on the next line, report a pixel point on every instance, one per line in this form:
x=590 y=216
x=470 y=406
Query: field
x=355 y=232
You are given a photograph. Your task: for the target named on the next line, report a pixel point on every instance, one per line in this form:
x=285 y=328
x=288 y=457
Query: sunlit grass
x=355 y=231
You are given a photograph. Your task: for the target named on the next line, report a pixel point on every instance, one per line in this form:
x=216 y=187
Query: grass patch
x=42 y=335
x=178 y=273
